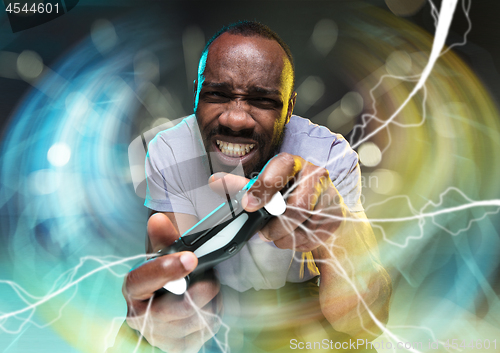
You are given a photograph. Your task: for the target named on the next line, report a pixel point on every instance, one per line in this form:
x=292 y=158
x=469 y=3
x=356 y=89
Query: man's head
x=244 y=95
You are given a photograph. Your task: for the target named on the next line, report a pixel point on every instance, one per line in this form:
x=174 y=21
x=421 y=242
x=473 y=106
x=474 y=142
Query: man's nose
x=237 y=116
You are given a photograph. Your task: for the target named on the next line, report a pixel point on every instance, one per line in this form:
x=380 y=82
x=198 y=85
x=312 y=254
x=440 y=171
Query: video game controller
x=221 y=234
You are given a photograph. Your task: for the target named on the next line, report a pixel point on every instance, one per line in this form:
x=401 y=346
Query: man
x=243 y=103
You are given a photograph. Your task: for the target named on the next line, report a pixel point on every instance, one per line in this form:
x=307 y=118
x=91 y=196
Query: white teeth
x=236 y=149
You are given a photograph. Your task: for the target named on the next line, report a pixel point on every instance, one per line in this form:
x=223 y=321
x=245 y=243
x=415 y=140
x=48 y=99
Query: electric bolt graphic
x=13 y=322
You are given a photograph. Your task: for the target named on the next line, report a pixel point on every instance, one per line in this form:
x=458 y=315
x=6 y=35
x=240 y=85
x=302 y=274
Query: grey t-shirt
x=177 y=172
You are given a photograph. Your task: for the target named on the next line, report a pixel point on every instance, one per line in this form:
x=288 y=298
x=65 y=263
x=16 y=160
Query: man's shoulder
x=177 y=135
x=305 y=128
x=177 y=143
x=180 y=129
x=318 y=145
x=303 y=136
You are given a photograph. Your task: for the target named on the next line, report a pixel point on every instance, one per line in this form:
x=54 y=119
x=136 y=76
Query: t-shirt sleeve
x=165 y=192
x=345 y=173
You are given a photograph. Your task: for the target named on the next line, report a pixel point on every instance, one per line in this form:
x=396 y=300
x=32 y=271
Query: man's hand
x=314 y=207
x=354 y=286
x=170 y=322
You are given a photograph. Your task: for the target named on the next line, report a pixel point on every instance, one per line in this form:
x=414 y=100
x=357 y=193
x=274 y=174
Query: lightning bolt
x=68 y=282
x=443 y=18
x=333 y=262
x=443 y=24
x=203 y=316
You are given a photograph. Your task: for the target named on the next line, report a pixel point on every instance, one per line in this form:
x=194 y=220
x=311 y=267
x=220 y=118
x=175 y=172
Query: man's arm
x=344 y=244
x=170 y=322
x=354 y=288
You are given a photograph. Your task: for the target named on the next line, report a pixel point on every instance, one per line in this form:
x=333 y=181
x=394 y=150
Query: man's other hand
x=314 y=211
x=170 y=322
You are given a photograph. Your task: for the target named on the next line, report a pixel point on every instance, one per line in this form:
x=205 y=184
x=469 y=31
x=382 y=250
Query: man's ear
x=195 y=92
x=291 y=104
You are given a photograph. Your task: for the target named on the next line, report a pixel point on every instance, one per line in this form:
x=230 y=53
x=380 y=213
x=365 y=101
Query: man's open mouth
x=234 y=149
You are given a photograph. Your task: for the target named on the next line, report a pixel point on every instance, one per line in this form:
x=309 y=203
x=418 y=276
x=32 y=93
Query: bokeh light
x=398 y=63
x=103 y=35
x=44 y=181
x=369 y=154
x=309 y=92
x=405 y=7
x=352 y=104
x=29 y=65
x=385 y=182
x=324 y=35
x=59 y=154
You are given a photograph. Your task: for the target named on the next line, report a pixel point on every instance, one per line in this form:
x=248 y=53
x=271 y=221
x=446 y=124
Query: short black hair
x=254 y=29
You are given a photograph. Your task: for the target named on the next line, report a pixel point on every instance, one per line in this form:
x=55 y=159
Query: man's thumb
x=161 y=231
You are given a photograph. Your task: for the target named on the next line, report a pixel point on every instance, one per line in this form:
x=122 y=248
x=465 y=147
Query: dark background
x=293 y=20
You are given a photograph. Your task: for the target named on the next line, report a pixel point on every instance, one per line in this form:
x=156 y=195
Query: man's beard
x=259 y=138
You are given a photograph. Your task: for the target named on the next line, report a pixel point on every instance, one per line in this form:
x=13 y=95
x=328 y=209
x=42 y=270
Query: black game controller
x=221 y=234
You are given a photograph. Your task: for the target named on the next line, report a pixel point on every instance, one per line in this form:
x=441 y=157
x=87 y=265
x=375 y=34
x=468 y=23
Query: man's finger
x=320 y=225
x=282 y=226
x=275 y=175
x=224 y=183
x=200 y=292
x=161 y=231
x=209 y=314
x=143 y=281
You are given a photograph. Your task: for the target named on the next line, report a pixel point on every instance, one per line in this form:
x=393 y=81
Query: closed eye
x=265 y=103
x=215 y=94
x=215 y=97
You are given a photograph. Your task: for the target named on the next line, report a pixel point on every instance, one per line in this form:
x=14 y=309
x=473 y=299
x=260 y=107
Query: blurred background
x=77 y=91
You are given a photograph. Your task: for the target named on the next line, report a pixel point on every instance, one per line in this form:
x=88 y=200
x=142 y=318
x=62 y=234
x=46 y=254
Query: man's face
x=243 y=100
